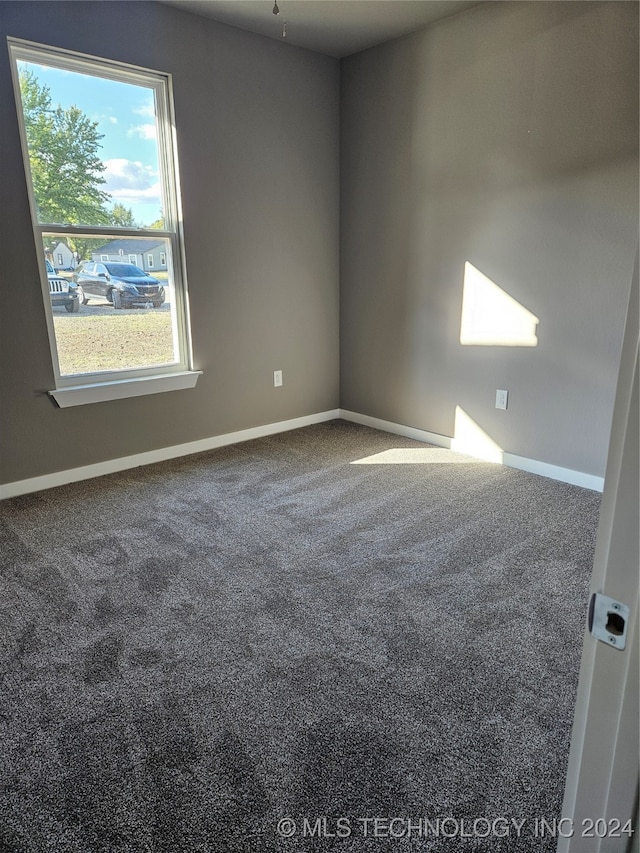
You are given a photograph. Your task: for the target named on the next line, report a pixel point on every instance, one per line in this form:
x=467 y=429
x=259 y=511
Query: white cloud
x=148 y=111
x=104 y=117
x=130 y=181
x=144 y=131
x=128 y=172
x=149 y=195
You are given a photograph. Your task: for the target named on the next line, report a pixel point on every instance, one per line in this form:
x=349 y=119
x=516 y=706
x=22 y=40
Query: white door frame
x=602 y=776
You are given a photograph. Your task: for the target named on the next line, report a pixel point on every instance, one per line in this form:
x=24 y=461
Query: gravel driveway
x=97 y=308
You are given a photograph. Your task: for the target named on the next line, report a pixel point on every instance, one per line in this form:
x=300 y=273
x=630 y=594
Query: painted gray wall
x=506 y=136
x=258 y=139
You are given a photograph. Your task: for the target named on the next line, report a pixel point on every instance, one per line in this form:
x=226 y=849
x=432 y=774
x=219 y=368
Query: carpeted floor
x=194 y=651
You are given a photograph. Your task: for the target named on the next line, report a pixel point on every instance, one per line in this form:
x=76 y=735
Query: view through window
x=99 y=155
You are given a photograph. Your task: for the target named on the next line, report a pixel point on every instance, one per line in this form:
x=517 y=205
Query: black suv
x=61 y=292
x=125 y=285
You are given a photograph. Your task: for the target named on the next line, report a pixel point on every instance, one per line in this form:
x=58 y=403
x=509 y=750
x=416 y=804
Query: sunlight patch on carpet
x=416 y=456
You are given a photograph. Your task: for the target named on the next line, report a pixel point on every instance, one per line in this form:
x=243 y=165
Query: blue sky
x=125 y=115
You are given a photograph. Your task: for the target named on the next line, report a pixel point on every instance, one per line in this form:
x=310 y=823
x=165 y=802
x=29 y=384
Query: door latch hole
x=608 y=620
x=615 y=624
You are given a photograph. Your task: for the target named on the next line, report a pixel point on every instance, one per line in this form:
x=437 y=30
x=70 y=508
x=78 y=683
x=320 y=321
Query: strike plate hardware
x=608 y=620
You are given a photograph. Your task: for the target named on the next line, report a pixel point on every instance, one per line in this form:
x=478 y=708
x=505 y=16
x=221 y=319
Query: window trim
x=78 y=389
x=80 y=395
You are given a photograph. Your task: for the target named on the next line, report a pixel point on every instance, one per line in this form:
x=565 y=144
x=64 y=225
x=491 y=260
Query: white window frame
x=108 y=385
x=163 y=259
x=104 y=258
x=150 y=260
x=133 y=259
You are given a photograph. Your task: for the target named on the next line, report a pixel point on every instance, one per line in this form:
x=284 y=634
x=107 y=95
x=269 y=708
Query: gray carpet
x=195 y=650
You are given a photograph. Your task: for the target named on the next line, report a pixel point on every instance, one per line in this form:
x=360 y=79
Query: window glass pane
x=114 y=314
x=93 y=148
x=98 y=146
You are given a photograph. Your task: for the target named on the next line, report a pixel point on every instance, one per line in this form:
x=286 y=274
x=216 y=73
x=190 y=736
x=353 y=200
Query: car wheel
x=73 y=307
x=116 y=298
x=82 y=299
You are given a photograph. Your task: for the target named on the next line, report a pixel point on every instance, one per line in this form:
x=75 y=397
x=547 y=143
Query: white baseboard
x=554 y=472
x=397 y=429
x=111 y=466
x=511 y=460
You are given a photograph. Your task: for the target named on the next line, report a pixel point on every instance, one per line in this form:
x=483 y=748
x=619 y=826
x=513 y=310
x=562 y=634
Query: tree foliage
x=66 y=171
x=122 y=216
x=83 y=246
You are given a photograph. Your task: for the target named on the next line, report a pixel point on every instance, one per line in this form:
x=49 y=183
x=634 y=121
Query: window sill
x=80 y=395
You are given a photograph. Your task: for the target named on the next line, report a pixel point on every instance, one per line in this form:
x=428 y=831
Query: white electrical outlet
x=277 y=378
x=502 y=398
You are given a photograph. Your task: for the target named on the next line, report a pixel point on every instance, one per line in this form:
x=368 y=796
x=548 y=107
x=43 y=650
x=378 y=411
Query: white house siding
x=62 y=257
x=156 y=253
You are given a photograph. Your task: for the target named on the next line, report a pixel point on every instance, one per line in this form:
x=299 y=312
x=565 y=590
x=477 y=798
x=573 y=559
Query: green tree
x=158 y=224
x=84 y=246
x=66 y=170
x=122 y=216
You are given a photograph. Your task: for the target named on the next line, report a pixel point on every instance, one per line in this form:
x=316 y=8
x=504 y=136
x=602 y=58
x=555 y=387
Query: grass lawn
x=135 y=338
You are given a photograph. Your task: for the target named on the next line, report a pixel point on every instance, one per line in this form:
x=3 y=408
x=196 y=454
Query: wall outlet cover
x=502 y=398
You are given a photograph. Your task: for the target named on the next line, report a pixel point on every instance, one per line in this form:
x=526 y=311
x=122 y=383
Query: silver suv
x=61 y=292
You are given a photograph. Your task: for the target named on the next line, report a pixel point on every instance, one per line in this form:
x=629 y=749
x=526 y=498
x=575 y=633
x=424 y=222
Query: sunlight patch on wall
x=469 y=438
x=490 y=317
x=415 y=456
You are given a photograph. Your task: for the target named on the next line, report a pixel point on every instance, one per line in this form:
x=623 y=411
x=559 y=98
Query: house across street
x=149 y=255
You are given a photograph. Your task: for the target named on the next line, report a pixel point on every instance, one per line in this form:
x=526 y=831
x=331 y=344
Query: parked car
x=63 y=292
x=124 y=285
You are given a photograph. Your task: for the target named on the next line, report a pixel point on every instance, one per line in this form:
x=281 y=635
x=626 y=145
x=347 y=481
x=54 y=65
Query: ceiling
x=334 y=27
